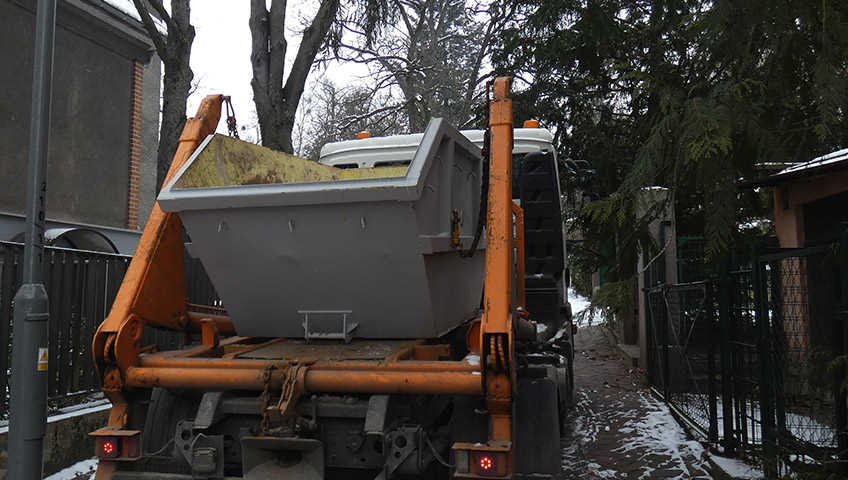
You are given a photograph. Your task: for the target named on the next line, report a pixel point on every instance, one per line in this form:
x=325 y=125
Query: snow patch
x=599 y=472
x=736 y=468
x=75 y=471
x=73 y=411
x=833 y=157
x=128 y=8
x=658 y=433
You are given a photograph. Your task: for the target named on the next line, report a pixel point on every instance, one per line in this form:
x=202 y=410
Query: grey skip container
x=378 y=248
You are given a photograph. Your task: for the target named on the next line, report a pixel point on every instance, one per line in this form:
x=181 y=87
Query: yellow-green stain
x=229 y=162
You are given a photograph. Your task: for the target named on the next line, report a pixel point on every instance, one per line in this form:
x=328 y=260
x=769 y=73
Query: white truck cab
x=398 y=150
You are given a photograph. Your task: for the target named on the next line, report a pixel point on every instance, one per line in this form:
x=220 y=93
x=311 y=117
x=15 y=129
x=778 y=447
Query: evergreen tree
x=686 y=94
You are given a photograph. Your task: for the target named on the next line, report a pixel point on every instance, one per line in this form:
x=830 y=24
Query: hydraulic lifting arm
x=153 y=290
x=496 y=324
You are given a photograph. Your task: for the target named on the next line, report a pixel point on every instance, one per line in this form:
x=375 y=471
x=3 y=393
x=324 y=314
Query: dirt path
x=617 y=429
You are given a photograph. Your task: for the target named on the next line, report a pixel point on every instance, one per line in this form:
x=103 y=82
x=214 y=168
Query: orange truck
x=371 y=327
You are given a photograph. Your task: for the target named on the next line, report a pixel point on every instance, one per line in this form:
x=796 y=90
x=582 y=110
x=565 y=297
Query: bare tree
x=174 y=49
x=333 y=113
x=276 y=102
x=434 y=52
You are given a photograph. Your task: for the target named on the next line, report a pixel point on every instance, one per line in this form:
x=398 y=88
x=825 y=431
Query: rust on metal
x=316 y=380
x=153 y=290
x=209 y=336
x=496 y=325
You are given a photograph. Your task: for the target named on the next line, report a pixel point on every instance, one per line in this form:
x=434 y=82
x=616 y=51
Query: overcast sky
x=220 y=56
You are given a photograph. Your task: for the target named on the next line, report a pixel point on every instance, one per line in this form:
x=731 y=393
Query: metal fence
x=755 y=358
x=81 y=286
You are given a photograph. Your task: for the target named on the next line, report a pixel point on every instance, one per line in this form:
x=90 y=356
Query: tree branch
x=160 y=9
x=310 y=44
x=150 y=26
x=259 y=42
x=277 y=47
x=352 y=119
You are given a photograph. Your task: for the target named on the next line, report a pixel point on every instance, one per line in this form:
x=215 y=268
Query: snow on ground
x=578 y=304
x=71 y=411
x=577 y=301
x=78 y=471
x=582 y=311
x=736 y=468
x=599 y=472
x=657 y=432
x=802 y=427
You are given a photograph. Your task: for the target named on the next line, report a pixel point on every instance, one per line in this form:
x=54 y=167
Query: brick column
x=135 y=144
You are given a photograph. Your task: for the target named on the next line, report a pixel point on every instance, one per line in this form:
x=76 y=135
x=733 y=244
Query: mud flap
x=537 y=449
x=267 y=458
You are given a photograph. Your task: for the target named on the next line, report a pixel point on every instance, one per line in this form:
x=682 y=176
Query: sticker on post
x=42 y=359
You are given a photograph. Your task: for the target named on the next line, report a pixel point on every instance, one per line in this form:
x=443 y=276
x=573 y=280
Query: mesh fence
x=755 y=357
x=81 y=287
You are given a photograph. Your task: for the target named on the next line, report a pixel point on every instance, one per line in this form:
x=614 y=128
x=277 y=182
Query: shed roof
x=833 y=161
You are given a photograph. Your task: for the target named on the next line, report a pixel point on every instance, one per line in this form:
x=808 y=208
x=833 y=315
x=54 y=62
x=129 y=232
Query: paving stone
x=617 y=429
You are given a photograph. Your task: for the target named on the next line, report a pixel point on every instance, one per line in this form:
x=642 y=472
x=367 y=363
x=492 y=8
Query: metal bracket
x=347 y=328
x=402 y=444
x=204 y=453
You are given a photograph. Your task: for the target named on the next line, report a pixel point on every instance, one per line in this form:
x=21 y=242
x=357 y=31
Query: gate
x=754 y=359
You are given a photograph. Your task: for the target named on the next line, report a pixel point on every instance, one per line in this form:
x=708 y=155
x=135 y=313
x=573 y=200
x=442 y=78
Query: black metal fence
x=755 y=357
x=81 y=286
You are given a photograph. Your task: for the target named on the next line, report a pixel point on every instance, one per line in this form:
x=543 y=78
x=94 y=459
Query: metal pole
x=725 y=335
x=28 y=405
x=760 y=280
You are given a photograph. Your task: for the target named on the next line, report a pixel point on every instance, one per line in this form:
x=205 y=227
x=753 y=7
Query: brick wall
x=135 y=144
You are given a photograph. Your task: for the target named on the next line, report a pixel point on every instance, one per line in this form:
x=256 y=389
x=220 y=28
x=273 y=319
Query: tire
x=165 y=410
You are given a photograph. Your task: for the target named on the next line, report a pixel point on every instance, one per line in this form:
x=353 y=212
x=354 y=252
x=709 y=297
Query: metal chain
x=232 y=127
x=266 y=399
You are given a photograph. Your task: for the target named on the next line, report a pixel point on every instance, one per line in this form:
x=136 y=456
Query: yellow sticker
x=42 y=359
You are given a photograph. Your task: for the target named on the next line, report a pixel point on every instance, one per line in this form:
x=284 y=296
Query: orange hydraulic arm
x=496 y=324
x=153 y=290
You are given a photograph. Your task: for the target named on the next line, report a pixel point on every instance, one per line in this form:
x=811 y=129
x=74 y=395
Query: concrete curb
x=67 y=441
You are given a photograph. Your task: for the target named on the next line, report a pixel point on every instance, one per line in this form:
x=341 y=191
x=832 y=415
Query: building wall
x=149 y=138
x=88 y=173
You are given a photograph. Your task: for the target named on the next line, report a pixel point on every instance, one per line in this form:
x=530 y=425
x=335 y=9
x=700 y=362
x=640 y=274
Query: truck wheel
x=165 y=410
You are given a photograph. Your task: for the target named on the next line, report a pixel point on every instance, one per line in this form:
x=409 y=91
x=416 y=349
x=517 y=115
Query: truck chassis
x=485 y=400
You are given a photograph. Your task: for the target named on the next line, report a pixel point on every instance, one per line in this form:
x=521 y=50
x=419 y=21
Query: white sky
x=220 y=56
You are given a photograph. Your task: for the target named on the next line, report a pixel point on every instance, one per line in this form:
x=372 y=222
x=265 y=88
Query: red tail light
x=117 y=444
x=476 y=460
x=488 y=464
x=108 y=447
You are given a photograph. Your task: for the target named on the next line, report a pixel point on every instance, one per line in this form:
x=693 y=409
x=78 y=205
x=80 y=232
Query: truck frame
x=485 y=400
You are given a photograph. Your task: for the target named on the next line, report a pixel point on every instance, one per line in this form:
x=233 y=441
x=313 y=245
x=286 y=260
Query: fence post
x=709 y=303
x=778 y=346
x=841 y=412
x=729 y=440
x=764 y=353
x=665 y=364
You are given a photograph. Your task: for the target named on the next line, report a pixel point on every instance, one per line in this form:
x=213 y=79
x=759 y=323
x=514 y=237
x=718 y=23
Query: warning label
x=42 y=359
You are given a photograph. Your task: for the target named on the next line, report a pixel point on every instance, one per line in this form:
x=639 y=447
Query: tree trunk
x=177 y=83
x=276 y=103
x=175 y=51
